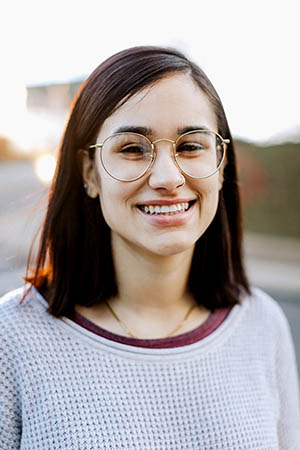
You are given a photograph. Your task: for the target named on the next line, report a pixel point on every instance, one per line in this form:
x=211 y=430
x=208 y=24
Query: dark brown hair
x=74 y=262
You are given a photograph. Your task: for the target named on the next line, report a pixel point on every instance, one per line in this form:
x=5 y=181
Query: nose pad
x=165 y=172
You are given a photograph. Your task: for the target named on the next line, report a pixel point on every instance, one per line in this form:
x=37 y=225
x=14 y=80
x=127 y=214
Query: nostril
x=182 y=183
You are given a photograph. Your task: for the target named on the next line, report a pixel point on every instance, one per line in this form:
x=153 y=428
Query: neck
x=151 y=285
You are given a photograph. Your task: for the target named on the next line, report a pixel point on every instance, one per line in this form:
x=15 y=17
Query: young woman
x=139 y=330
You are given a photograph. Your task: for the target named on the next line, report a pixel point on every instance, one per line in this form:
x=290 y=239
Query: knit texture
x=64 y=387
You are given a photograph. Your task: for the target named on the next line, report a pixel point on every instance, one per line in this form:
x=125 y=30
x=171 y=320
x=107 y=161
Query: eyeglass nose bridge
x=166 y=140
x=153 y=144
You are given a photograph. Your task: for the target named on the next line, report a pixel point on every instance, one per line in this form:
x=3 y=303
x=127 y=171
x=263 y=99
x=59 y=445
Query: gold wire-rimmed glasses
x=128 y=156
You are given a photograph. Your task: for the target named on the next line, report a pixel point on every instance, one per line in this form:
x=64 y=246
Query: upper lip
x=167 y=202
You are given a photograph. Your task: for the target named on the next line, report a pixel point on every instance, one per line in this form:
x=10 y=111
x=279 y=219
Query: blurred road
x=273 y=264
x=21 y=199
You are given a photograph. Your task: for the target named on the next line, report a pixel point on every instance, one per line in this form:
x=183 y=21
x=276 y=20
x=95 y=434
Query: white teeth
x=165 y=209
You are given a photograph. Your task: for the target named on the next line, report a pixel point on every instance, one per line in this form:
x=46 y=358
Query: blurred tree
x=270 y=187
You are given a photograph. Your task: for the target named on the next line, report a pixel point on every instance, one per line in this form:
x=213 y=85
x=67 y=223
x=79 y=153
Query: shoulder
x=17 y=310
x=10 y=305
x=266 y=307
x=260 y=332
x=265 y=317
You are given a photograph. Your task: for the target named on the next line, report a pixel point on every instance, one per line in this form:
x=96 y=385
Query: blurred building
x=54 y=98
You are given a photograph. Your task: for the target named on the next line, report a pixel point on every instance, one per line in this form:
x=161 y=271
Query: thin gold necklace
x=125 y=327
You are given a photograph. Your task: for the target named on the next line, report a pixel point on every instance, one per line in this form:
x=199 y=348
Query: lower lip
x=171 y=220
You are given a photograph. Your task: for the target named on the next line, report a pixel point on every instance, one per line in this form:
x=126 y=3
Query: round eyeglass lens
x=199 y=153
x=126 y=156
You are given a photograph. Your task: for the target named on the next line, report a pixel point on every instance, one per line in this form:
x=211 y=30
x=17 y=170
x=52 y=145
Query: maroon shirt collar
x=213 y=321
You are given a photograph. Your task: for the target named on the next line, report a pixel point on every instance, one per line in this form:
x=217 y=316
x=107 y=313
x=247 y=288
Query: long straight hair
x=74 y=262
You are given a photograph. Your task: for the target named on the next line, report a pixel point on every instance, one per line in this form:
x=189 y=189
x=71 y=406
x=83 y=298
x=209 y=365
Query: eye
x=134 y=152
x=189 y=148
x=133 y=149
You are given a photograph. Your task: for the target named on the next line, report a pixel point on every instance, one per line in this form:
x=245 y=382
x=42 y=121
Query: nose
x=165 y=174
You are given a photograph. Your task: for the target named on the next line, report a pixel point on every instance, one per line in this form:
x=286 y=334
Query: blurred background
x=249 y=51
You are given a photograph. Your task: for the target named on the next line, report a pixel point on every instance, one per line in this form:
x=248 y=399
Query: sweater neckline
x=211 y=342
x=208 y=326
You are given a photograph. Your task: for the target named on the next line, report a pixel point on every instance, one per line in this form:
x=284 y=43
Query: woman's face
x=171 y=105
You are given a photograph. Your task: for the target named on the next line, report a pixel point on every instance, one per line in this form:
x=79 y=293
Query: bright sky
x=249 y=49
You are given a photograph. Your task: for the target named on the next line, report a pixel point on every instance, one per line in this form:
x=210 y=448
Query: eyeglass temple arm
x=95 y=146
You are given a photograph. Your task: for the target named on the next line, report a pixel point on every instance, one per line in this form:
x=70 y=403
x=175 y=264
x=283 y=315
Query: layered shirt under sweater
x=231 y=384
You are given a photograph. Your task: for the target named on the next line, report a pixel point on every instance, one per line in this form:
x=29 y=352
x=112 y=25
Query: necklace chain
x=125 y=327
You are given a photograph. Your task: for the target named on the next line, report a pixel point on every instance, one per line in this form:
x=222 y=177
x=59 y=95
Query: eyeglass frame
x=224 y=142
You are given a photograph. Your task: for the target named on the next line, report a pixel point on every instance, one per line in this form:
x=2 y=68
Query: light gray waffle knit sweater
x=64 y=387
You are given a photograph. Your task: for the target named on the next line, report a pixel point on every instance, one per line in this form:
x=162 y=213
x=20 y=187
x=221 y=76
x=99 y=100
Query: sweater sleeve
x=288 y=389
x=10 y=401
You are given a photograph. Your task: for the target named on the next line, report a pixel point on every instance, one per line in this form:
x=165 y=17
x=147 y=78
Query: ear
x=89 y=176
x=221 y=179
x=221 y=175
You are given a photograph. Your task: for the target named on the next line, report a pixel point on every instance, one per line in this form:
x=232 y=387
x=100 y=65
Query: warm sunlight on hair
x=44 y=167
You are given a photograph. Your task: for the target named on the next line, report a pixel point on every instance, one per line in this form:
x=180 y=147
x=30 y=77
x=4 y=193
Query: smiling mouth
x=176 y=208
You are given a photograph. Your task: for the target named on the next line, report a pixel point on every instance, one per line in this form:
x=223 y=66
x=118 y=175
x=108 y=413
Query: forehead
x=172 y=103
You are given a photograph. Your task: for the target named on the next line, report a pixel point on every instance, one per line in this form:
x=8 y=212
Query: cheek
x=115 y=201
x=209 y=198
x=110 y=212
x=208 y=189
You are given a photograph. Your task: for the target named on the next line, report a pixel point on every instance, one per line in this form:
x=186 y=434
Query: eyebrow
x=134 y=129
x=148 y=131
x=182 y=130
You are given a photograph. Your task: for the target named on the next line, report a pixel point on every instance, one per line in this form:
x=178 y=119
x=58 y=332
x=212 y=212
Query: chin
x=172 y=248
